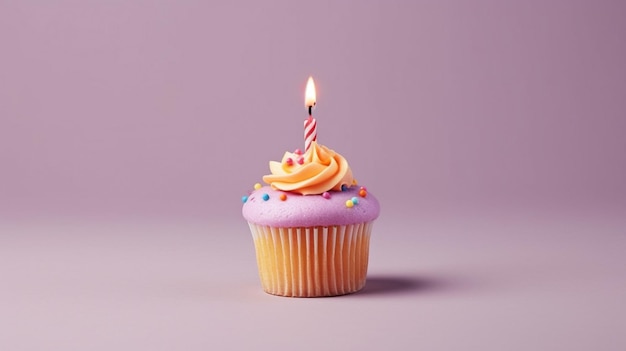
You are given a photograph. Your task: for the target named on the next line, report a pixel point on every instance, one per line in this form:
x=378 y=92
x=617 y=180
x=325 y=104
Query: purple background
x=163 y=107
x=492 y=132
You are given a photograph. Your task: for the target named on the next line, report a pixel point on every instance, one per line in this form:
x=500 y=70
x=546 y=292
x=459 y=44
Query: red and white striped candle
x=310 y=124
x=310 y=132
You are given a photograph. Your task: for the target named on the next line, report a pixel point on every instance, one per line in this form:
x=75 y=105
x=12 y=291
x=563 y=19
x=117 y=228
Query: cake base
x=312 y=261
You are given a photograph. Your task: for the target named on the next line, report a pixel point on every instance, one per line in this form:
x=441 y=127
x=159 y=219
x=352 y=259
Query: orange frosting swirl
x=322 y=169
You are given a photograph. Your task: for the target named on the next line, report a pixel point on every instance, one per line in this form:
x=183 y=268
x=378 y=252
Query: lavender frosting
x=308 y=210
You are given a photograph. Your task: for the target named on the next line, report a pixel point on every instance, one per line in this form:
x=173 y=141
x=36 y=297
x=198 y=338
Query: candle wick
x=310 y=110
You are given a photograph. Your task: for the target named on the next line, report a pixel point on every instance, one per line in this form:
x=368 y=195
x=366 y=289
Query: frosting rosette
x=320 y=169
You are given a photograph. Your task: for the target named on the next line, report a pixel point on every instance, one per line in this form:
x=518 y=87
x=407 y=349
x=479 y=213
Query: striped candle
x=310 y=124
x=310 y=132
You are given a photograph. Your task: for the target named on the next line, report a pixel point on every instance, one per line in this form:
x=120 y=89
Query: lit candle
x=310 y=124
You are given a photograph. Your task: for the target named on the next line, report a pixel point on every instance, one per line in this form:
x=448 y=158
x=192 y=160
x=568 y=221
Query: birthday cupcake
x=311 y=224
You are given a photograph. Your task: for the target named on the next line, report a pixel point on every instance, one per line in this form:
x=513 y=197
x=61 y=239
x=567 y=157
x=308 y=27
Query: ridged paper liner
x=312 y=261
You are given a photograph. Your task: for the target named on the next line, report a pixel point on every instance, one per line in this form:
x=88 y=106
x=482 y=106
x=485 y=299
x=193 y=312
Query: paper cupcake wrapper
x=312 y=261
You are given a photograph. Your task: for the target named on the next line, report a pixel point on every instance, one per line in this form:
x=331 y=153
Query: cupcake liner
x=312 y=261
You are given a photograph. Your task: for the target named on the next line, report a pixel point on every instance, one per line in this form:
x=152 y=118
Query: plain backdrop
x=159 y=108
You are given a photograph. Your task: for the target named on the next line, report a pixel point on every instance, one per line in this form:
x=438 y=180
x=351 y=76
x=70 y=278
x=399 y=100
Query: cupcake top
x=277 y=208
x=311 y=189
x=318 y=170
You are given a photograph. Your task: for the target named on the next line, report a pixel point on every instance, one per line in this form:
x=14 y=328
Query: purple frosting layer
x=309 y=210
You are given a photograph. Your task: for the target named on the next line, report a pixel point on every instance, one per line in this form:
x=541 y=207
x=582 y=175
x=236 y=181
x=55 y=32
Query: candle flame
x=309 y=95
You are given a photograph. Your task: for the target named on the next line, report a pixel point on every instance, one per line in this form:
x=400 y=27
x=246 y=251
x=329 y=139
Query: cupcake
x=311 y=225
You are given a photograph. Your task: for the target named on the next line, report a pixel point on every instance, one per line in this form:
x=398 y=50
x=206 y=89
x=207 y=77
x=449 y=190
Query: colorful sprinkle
x=257 y=186
x=363 y=193
x=300 y=160
x=289 y=161
x=244 y=199
x=266 y=197
x=355 y=201
x=354 y=182
x=326 y=195
x=363 y=188
x=349 y=203
x=282 y=197
x=344 y=187
x=298 y=152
